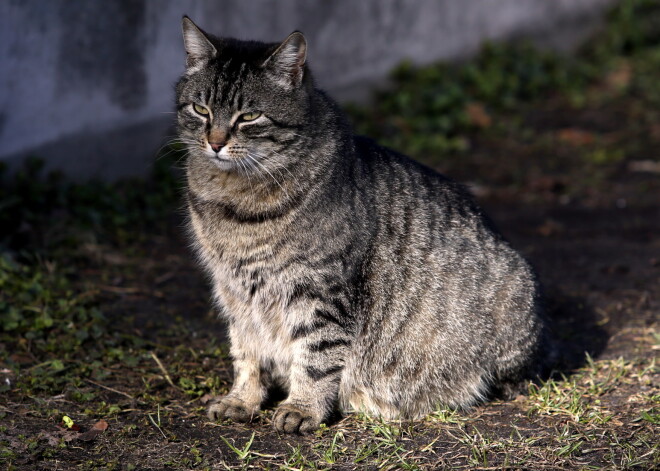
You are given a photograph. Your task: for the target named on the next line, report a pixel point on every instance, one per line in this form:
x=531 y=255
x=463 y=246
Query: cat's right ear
x=198 y=47
x=287 y=64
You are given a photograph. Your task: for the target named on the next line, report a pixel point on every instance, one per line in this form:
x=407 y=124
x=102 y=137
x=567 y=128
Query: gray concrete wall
x=87 y=85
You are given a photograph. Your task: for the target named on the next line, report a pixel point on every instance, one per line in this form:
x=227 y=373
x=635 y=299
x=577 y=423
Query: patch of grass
x=447 y=416
x=50 y=325
x=559 y=397
x=652 y=415
x=331 y=451
x=44 y=214
x=296 y=459
x=579 y=396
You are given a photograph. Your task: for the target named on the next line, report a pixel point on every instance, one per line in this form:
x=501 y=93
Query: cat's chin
x=224 y=164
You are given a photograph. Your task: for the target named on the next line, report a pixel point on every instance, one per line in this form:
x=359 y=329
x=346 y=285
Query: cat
x=351 y=276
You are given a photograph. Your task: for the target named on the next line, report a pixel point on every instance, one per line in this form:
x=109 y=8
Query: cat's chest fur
x=250 y=283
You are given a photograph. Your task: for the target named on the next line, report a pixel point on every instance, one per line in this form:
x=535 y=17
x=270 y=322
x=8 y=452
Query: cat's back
x=431 y=232
x=412 y=198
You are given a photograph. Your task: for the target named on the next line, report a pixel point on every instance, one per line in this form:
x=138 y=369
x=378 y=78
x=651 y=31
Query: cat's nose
x=216 y=146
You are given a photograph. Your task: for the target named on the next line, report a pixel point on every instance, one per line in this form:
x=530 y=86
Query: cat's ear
x=198 y=47
x=287 y=63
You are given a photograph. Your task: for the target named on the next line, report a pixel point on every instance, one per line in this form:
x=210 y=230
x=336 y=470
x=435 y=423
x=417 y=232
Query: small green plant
x=447 y=416
x=243 y=454
x=652 y=415
x=156 y=422
x=296 y=459
x=330 y=453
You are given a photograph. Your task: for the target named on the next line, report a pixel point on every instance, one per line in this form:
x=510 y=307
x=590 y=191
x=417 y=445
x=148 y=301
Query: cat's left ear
x=197 y=44
x=287 y=63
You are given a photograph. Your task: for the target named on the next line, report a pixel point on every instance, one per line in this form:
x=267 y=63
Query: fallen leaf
x=98 y=428
x=576 y=137
x=70 y=436
x=101 y=425
x=21 y=358
x=67 y=421
x=478 y=115
x=620 y=77
x=549 y=228
x=52 y=439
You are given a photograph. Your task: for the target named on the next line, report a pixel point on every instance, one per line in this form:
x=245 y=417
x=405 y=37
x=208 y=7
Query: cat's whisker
x=284 y=167
x=251 y=160
x=293 y=179
x=172 y=143
x=172 y=140
x=160 y=155
x=269 y=173
x=278 y=166
x=276 y=169
x=265 y=177
x=163 y=147
x=243 y=165
x=254 y=157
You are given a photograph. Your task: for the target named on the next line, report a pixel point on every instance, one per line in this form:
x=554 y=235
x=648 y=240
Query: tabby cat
x=350 y=276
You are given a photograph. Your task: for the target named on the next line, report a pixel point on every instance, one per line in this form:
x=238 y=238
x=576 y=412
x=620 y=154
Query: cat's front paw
x=232 y=408
x=289 y=418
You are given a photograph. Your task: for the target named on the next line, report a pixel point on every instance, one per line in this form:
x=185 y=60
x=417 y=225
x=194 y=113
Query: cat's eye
x=200 y=109
x=249 y=116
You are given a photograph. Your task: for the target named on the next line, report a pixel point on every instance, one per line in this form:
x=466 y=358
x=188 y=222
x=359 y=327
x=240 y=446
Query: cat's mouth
x=225 y=162
x=241 y=160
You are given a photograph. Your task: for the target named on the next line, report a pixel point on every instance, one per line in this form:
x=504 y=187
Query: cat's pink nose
x=216 y=146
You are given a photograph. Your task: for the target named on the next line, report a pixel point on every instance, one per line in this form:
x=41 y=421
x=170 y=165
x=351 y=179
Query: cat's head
x=241 y=102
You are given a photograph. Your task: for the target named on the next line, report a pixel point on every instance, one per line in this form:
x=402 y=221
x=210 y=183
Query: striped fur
x=349 y=275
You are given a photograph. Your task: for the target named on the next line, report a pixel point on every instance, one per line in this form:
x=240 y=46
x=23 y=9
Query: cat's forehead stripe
x=228 y=83
x=225 y=82
x=239 y=104
x=236 y=94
